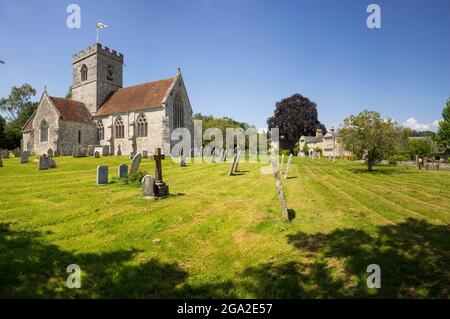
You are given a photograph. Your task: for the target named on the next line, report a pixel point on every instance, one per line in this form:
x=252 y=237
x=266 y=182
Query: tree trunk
x=369 y=160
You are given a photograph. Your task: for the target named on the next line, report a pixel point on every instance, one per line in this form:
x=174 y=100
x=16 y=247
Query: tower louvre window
x=110 y=73
x=84 y=71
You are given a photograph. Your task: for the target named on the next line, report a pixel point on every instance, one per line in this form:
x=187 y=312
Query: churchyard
x=221 y=233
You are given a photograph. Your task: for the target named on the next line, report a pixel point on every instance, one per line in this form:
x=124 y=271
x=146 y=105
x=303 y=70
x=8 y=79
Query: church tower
x=97 y=73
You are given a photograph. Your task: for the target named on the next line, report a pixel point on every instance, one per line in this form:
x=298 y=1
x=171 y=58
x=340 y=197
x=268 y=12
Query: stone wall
x=45 y=112
x=68 y=136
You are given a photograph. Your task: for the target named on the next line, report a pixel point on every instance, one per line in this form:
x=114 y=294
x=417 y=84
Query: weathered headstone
x=102 y=174
x=239 y=152
x=52 y=162
x=161 y=189
x=282 y=163
x=122 y=171
x=44 y=162
x=96 y=154
x=145 y=154
x=5 y=154
x=182 y=162
x=288 y=165
x=279 y=185
x=17 y=152
x=231 y=171
x=24 y=157
x=135 y=163
x=148 y=186
x=50 y=152
x=91 y=150
x=105 y=150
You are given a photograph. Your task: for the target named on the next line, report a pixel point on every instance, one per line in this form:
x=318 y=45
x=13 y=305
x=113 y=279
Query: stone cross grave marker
x=231 y=171
x=122 y=171
x=102 y=174
x=135 y=163
x=282 y=163
x=148 y=186
x=44 y=162
x=288 y=165
x=162 y=190
x=279 y=185
x=24 y=157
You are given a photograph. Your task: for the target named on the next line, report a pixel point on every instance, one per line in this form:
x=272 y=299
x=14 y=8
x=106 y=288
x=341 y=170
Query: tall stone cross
x=158 y=170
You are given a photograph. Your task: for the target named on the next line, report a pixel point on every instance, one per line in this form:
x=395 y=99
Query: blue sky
x=239 y=58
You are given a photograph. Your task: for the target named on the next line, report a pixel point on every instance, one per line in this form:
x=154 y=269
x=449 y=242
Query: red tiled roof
x=29 y=124
x=71 y=110
x=136 y=97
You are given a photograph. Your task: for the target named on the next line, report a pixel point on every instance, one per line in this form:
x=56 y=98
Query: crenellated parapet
x=97 y=48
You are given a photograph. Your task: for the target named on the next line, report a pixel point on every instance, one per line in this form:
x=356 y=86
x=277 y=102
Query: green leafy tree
x=422 y=147
x=18 y=107
x=443 y=134
x=2 y=132
x=367 y=134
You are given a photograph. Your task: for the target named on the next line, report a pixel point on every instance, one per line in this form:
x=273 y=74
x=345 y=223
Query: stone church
x=102 y=113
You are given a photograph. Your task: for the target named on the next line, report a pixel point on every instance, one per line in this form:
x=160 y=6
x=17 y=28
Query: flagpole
x=96 y=28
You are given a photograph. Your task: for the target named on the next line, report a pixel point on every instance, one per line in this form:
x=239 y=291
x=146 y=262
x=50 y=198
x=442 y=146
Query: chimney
x=318 y=132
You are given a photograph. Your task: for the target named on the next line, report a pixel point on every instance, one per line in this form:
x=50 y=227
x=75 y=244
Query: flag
x=101 y=25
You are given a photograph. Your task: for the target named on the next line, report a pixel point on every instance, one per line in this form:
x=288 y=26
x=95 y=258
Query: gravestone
x=102 y=174
x=279 y=185
x=52 y=162
x=50 y=152
x=145 y=154
x=282 y=163
x=105 y=150
x=1 y=160
x=161 y=189
x=44 y=162
x=132 y=154
x=231 y=171
x=91 y=150
x=5 y=154
x=24 y=157
x=148 y=186
x=122 y=171
x=96 y=154
x=119 y=151
x=239 y=152
x=288 y=165
x=135 y=163
x=182 y=162
x=17 y=152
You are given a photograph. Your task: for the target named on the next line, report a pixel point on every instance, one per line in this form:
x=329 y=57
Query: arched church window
x=100 y=130
x=142 y=126
x=84 y=71
x=110 y=73
x=44 y=131
x=79 y=137
x=178 y=112
x=120 y=128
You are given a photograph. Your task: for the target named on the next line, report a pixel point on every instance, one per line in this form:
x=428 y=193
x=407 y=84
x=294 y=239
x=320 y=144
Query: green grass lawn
x=223 y=236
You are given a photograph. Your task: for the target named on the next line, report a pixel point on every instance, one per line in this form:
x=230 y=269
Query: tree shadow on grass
x=30 y=268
